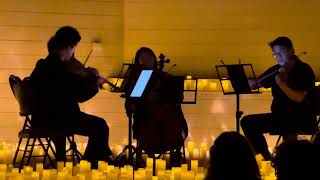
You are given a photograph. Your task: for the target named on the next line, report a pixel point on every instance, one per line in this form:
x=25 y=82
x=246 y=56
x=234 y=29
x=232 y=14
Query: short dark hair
x=232 y=156
x=64 y=37
x=281 y=41
x=295 y=159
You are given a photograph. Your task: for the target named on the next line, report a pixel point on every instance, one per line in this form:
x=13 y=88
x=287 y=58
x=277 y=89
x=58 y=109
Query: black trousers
x=97 y=131
x=253 y=127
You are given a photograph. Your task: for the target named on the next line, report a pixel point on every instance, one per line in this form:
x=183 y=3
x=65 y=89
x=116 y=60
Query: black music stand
x=136 y=95
x=236 y=74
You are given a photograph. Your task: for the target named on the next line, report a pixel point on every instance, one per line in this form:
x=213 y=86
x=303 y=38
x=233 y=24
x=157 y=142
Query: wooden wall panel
x=196 y=35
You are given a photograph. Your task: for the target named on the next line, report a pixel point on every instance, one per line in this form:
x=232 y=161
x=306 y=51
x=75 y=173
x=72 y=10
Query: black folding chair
x=36 y=136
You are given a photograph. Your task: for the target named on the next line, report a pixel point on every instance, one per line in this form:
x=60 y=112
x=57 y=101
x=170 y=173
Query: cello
x=159 y=123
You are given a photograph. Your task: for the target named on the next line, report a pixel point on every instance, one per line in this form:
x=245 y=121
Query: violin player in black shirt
x=292 y=83
x=59 y=83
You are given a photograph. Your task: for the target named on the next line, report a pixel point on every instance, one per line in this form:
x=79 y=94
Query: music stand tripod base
x=135 y=96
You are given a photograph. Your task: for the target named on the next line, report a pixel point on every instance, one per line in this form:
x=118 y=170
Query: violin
x=282 y=70
x=76 y=67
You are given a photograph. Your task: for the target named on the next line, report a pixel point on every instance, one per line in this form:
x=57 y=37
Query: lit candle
x=176 y=173
x=46 y=175
x=3 y=168
x=60 y=165
x=150 y=163
x=160 y=165
x=149 y=173
x=184 y=167
x=114 y=174
x=187 y=175
x=27 y=170
x=194 y=166
x=35 y=175
x=200 y=176
x=203 y=149
x=3 y=175
x=102 y=166
x=195 y=154
x=85 y=166
x=191 y=146
x=213 y=86
x=69 y=167
x=62 y=175
x=3 y=156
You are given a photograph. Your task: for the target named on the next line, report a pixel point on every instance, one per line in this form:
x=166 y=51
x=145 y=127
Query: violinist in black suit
x=60 y=82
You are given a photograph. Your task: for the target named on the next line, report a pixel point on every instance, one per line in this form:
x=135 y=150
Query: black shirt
x=57 y=92
x=286 y=112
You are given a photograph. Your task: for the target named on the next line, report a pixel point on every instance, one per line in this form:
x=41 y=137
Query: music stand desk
x=239 y=81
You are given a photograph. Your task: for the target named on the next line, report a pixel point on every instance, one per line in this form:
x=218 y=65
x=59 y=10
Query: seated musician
x=159 y=124
x=292 y=82
x=60 y=82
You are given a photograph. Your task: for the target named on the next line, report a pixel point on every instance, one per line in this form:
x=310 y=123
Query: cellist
x=159 y=124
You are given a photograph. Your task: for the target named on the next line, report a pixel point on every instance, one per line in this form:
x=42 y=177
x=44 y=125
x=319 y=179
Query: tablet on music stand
x=141 y=84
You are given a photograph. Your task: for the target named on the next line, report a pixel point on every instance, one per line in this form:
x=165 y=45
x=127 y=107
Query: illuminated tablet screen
x=141 y=83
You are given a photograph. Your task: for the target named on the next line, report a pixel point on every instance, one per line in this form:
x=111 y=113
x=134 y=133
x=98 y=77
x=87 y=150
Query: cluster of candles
x=66 y=171
x=190 y=84
x=197 y=156
x=83 y=171
x=193 y=151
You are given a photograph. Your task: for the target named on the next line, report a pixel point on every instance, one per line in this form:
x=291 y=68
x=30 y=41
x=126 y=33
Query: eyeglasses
x=280 y=53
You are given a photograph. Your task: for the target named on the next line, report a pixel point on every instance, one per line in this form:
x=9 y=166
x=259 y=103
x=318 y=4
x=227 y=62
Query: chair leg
x=17 y=152
x=51 y=162
x=24 y=154
x=278 y=140
x=31 y=151
x=71 y=148
x=50 y=147
x=46 y=151
x=76 y=155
